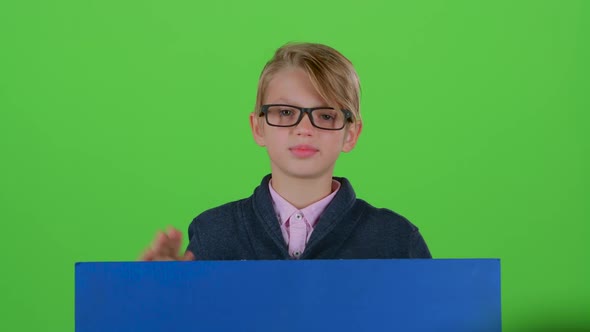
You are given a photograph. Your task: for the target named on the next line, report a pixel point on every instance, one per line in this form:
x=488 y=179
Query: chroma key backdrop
x=118 y=118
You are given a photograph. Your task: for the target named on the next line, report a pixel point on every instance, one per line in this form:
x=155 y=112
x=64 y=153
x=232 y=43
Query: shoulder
x=222 y=212
x=393 y=229
x=386 y=218
x=219 y=233
x=228 y=216
x=377 y=218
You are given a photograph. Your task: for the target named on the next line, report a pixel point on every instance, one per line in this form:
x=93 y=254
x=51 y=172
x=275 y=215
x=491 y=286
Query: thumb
x=188 y=256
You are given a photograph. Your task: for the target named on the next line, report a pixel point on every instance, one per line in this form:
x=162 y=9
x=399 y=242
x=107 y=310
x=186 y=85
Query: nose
x=304 y=127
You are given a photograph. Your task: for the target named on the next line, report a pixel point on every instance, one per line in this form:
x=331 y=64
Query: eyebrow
x=290 y=102
x=286 y=101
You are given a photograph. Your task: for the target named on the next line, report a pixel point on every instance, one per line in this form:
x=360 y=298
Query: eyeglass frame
x=348 y=116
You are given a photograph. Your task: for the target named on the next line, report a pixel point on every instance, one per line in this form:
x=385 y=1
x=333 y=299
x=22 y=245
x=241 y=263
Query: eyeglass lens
x=326 y=118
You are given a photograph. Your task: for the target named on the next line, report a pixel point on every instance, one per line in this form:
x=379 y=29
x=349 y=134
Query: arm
x=417 y=246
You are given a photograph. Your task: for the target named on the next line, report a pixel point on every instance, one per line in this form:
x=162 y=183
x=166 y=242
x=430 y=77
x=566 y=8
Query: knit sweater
x=349 y=228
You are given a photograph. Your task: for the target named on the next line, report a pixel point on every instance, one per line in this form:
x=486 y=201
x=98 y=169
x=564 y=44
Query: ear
x=257 y=129
x=352 y=135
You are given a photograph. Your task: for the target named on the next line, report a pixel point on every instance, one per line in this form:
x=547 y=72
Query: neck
x=302 y=192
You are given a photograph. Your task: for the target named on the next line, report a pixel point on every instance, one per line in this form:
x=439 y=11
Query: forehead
x=292 y=86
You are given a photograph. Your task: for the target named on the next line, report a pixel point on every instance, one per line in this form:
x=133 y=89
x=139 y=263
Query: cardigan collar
x=333 y=215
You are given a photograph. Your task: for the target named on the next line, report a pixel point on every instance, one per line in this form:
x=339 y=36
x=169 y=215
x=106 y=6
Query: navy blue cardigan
x=349 y=228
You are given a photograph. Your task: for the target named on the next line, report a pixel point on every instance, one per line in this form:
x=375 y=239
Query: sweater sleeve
x=418 y=247
x=193 y=238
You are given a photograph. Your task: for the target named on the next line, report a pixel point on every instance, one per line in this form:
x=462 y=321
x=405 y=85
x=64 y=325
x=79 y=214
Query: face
x=302 y=151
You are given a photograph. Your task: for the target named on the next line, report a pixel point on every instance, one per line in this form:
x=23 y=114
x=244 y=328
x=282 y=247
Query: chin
x=307 y=174
x=302 y=170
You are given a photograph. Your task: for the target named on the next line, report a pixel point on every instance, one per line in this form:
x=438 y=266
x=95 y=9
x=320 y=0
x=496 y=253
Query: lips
x=303 y=151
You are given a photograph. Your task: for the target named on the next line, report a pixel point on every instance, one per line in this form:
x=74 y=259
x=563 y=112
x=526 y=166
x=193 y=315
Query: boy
x=307 y=111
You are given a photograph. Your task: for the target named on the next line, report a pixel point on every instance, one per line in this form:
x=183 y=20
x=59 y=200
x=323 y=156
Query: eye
x=326 y=115
x=285 y=112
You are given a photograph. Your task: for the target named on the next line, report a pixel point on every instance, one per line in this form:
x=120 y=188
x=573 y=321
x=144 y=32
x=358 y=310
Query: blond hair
x=332 y=74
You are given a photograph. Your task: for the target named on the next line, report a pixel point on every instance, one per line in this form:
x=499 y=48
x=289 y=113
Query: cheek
x=275 y=140
x=334 y=143
x=340 y=138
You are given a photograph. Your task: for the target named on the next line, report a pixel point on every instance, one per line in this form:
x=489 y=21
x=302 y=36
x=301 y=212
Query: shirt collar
x=284 y=210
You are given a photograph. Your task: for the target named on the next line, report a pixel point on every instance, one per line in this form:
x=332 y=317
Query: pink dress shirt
x=297 y=225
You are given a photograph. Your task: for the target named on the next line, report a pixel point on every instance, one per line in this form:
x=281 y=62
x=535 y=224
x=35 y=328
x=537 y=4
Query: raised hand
x=166 y=247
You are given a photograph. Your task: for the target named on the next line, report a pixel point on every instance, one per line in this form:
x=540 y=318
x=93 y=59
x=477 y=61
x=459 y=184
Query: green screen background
x=118 y=118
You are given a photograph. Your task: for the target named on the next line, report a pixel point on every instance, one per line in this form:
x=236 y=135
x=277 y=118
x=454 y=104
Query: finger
x=161 y=244
x=174 y=233
x=163 y=259
x=188 y=256
x=175 y=240
x=147 y=255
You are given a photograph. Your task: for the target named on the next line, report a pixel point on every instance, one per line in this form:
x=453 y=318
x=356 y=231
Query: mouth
x=303 y=151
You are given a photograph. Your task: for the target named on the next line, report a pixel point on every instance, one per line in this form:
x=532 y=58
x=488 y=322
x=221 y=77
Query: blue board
x=282 y=296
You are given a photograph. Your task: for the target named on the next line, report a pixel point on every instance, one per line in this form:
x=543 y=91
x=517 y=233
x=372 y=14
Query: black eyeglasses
x=328 y=118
